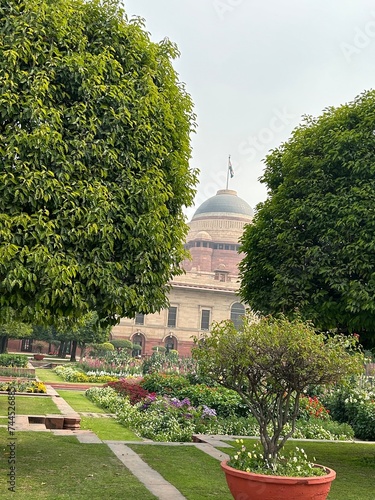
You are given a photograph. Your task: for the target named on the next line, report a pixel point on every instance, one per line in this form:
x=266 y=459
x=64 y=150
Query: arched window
x=170 y=343
x=138 y=340
x=237 y=312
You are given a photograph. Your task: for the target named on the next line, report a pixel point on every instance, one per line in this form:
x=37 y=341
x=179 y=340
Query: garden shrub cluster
x=130 y=388
x=17 y=360
x=167 y=418
x=354 y=403
x=224 y=401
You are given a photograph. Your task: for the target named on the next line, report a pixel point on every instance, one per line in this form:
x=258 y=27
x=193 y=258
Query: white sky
x=254 y=67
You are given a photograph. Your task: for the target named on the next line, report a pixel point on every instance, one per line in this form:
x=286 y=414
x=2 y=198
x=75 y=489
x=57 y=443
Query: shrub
x=354 y=404
x=122 y=344
x=19 y=360
x=133 y=390
x=364 y=421
x=311 y=407
x=170 y=419
x=224 y=401
x=100 y=350
x=162 y=383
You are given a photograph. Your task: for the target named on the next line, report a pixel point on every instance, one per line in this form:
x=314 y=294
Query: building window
x=172 y=317
x=138 y=343
x=139 y=319
x=205 y=319
x=27 y=345
x=170 y=344
x=237 y=312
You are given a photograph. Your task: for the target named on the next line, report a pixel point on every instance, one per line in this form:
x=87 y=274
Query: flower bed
x=164 y=418
x=70 y=374
x=24 y=386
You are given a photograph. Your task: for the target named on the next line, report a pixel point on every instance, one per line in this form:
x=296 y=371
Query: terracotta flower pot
x=38 y=357
x=251 y=486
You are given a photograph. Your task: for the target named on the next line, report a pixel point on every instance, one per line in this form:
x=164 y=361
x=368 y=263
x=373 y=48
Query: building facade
x=207 y=291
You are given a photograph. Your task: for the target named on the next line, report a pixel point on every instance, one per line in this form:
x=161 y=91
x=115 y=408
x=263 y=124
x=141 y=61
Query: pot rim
x=264 y=478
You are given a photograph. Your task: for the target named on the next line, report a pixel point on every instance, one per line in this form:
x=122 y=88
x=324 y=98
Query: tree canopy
x=94 y=146
x=312 y=245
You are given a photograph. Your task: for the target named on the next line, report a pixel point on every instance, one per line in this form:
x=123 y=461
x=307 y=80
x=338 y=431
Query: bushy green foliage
x=19 y=360
x=162 y=383
x=224 y=401
x=122 y=344
x=312 y=239
x=171 y=419
x=354 y=403
x=94 y=147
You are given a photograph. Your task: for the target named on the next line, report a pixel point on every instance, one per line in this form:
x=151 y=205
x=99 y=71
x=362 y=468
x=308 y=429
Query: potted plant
x=270 y=363
x=38 y=348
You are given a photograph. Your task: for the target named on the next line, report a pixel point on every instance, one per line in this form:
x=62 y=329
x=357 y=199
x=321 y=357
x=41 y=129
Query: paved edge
x=151 y=479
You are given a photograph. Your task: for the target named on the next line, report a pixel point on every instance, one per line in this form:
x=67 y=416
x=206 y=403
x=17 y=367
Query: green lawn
x=29 y=405
x=47 y=375
x=194 y=473
x=78 y=401
x=354 y=464
x=52 y=467
x=108 y=428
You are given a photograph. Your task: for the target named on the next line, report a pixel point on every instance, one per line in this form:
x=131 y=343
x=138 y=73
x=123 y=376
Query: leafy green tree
x=11 y=327
x=94 y=147
x=86 y=331
x=312 y=245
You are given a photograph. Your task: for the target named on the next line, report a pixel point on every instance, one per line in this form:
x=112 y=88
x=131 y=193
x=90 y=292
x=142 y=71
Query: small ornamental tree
x=270 y=363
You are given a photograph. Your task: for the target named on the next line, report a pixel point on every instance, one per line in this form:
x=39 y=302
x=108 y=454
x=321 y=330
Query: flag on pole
x=231 y=171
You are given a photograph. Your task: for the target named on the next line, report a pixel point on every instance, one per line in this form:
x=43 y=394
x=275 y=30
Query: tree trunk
x=3 y=344
x=62 y=349
x=73 y=351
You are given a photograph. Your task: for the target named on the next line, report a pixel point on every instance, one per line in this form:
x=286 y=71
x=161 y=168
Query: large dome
x=224 y=203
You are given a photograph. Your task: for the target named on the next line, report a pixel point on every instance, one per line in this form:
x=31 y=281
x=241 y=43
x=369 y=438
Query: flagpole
x=228 y=172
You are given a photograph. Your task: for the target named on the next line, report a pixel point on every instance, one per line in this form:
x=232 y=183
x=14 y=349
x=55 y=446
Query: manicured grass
x=194 y=473
x=354 y=464
x=3 y=420
x=47 y=375
x=29 y=405
x=108 y=428
x=78 y=401
x=52 y=467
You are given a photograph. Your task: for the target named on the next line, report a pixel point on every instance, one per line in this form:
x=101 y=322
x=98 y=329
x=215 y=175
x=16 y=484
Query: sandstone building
x=207 y=291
